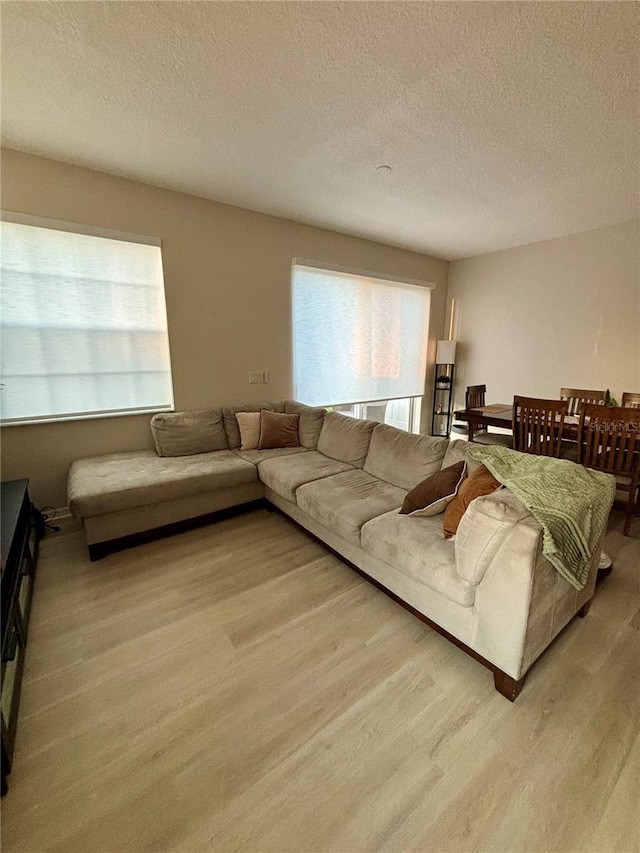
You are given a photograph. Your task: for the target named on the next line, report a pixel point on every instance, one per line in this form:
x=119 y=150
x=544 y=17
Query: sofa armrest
x=521 y=601
x=484 y=527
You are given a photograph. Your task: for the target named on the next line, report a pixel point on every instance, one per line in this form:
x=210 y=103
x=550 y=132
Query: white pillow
x=249 y=426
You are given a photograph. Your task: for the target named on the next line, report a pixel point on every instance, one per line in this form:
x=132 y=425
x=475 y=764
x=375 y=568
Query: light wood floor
x=238 y=688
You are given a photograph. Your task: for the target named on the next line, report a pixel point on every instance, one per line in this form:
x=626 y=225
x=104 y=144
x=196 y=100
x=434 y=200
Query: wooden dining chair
x=630 y=400
x=576 y=396
x=609 y=441
x=475 y=397
x=538 y=425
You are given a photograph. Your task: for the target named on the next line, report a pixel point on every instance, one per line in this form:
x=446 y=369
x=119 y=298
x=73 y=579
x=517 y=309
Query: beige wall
x=227 y=277
x=564 y=312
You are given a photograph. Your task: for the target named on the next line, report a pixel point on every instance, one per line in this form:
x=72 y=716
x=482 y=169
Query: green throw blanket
x=571 y=503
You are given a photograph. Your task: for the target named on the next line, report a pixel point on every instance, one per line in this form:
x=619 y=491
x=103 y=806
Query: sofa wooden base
x=506 y=685
x=98 y=550
x=584 y=609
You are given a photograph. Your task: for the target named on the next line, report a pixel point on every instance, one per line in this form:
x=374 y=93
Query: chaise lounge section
x=489 y=590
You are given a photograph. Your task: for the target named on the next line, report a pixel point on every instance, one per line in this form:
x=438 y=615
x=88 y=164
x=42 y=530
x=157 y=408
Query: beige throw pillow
x=249 y=426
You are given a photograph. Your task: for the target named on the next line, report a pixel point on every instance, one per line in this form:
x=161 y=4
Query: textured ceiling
x=505 y=123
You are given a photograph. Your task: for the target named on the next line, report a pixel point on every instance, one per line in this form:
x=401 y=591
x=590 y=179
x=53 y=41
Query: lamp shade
x=446 y=352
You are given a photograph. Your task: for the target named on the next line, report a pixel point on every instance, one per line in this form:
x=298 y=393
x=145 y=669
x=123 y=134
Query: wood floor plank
x=237 y=688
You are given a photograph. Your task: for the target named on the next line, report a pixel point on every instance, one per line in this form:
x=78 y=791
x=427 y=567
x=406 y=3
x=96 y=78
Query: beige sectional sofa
x=489 y=590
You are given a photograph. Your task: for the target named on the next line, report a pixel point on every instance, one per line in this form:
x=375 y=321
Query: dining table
x=501 y=415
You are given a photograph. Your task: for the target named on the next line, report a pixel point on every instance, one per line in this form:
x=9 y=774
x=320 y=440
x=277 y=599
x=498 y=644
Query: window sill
x=93 y=416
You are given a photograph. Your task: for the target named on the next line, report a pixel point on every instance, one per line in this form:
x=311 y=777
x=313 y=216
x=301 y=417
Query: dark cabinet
x=19 y=554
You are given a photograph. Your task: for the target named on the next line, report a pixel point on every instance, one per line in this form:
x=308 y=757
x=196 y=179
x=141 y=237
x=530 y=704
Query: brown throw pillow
x=432 y=495
x=481 y=482
x=278 y=430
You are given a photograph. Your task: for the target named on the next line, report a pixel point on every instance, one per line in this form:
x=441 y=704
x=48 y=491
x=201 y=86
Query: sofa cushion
x=431 y=496
x=484 y=527
x=249 y=426
x=188 y=433
x=402 y=458
x=231 y=422
x=285 y=474
x=311 y=419
x=278 y=429
x=415 y=547
x=119 y=481
x=481 y=482
x=344 y=502
x=345 y=439
x=257 y=456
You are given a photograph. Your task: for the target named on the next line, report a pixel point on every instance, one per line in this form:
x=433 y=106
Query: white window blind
x=83 y=324
x=357 y=338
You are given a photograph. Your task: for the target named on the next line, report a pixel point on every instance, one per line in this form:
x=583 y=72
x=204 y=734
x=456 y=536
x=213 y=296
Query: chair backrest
x=475 y=396
x=609 y=439
x=576 y=396
x=631 y=400
x=538 y=425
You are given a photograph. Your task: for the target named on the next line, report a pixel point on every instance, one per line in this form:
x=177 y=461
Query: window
x=402 y=414
x=83 y=323
x=360 y=343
